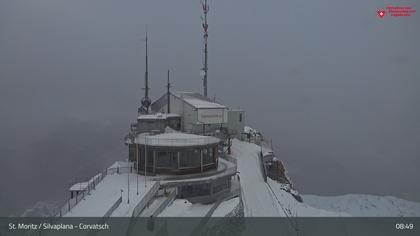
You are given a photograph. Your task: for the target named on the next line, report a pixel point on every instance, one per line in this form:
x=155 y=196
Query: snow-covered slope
x=41 y=209
x=269 y=199
x=293 y=208
x=364 y=205
x=257 y=198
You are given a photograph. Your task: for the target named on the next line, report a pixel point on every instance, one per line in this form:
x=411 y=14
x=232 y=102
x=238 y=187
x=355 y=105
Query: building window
x=240 y=117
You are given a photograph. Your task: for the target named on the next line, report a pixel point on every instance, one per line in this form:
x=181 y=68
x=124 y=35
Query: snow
x=198 y=101
x=266 y=199
x=293 y=208
x=175 y=139
x=121 y=164
x=257 y=198
x=41 y=209
x=150 y=209
x=79 y=186
x=184 y=208
x=250 y=130
x=226 y=207
x=106 y=194
x=365 y=205
x=157 y=116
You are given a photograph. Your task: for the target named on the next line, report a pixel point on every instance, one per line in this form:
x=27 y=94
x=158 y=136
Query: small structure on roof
x=157 y=122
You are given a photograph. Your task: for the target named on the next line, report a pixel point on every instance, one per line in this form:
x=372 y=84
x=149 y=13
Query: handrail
x=159 y=141
x=92 y=183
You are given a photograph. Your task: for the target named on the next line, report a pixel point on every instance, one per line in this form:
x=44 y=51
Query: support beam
x=154 y=162
x=201 y=159
x=179 y=155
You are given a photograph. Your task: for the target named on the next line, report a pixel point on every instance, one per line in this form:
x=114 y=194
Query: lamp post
x=128 y=183
x=145 y=161
x=137 y=164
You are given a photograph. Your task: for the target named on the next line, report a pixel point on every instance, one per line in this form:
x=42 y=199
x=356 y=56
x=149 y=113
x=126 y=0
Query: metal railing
x=145 y=200
x=113 y=207
x=92 y=183
x=157 y=141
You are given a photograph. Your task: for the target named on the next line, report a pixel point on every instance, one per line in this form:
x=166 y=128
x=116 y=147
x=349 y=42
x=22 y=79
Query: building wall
x=170 y=160
x=192 y=116
x=236 y=121
x=188 y=113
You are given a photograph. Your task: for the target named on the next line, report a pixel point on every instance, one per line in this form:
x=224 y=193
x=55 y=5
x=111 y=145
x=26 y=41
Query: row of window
x=187 y=158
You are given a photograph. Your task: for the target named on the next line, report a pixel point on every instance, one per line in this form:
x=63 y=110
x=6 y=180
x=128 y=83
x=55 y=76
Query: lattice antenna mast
x=205 y=35
x=146 y=73
x=146 y=102
x=169 y=86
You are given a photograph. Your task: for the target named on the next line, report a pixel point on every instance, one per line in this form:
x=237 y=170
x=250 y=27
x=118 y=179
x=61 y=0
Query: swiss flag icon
x=381 y=13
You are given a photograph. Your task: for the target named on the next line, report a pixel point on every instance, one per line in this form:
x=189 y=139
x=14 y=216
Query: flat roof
x=198 y=101
x=78 y=186
x=157 y=116
x=175 y=139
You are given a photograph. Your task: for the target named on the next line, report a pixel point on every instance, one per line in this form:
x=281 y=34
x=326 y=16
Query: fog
x=336 y=88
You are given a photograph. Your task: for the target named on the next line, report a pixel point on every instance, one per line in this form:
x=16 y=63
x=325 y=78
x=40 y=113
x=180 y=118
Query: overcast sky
x=334 y=86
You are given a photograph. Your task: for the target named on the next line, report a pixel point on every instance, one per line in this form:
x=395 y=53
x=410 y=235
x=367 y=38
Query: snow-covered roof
x=198 y=101
x=157 y=116
x=79 y=186
x=175 y=139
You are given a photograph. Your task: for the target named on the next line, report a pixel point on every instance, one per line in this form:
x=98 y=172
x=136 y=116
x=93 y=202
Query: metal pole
x=145 y=161
x=137 y=169
x=201 y=159
x=206 y=35
x=169 y=95
x=128 y=184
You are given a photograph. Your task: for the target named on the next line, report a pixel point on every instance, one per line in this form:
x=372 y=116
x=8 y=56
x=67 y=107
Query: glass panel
x=190 y=158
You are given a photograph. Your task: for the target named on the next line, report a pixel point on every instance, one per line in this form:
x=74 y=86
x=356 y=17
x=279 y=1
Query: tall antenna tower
x=205 y=35
x=145 y=101
x=168 y=94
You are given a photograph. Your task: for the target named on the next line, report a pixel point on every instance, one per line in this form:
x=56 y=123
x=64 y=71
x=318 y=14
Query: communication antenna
x=145 y=101
x=205 y=7
x=168 y=86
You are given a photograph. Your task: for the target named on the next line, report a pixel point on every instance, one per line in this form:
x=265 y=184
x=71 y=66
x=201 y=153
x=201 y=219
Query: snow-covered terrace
x=107 y=194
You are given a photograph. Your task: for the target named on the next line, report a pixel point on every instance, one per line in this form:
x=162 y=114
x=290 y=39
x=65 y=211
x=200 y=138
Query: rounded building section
x=174 y=153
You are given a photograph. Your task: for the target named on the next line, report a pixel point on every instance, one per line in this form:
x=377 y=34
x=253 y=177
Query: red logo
x=381 y=13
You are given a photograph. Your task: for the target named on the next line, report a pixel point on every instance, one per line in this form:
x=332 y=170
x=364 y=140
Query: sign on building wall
x=212 y=116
